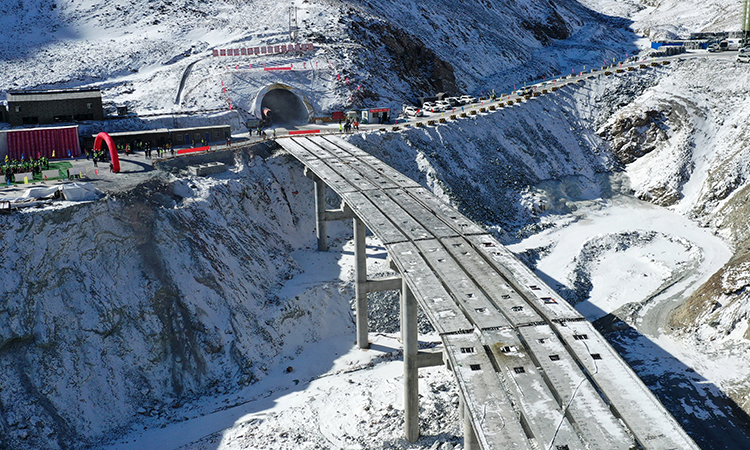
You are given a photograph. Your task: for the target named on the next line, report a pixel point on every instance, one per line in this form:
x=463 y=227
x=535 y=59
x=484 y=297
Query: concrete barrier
x=76 y=172
x=20 y=177
x=207 y=169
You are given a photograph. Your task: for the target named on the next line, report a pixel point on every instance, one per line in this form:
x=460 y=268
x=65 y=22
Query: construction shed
x=54 y=106
x=177 y=137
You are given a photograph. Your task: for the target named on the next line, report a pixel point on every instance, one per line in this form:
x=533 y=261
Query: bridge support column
x=321 y=228
x=322 y=215
x=360 y=286
x=470 y=438
x=411 y=350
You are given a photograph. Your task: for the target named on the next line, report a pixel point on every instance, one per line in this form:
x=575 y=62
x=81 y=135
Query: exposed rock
x=411 y=59
x=636 y=135
x=554 y=28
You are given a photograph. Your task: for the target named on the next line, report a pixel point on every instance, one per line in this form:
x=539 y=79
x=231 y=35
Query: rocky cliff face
x=150 y=298
x=408 y=56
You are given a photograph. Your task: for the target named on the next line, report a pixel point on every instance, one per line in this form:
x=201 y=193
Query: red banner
x=193 y=150
x=293 y=132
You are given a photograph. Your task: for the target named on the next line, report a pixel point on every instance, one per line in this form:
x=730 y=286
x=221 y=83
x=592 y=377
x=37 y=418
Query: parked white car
x=413 y=111
x=467 y=99
x=432 y=107
x=445 y=105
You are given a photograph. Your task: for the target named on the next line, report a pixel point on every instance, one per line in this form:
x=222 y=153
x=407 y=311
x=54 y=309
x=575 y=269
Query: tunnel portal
x=287 y=107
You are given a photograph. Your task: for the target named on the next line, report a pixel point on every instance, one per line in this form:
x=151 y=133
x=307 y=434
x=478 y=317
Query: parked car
x=432 y=107
x=445 y=105
x=454 y=101
x=413 y=111
x=467 y=99
x=714 y=47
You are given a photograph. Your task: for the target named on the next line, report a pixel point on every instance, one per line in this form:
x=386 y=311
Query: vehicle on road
x=731 y=44
x=454 y=101
x=413 y=111
x=713 y=48
x=444 y=104
x=467 y=99
x=744 y=55
x=432 y=107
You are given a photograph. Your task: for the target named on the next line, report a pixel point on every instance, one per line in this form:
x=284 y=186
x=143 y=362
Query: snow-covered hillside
x=195 y=306
x=673 y=19
x=392 y=52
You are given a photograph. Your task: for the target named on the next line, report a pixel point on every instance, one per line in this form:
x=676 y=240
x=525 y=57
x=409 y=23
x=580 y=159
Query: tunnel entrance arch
x=283 y=104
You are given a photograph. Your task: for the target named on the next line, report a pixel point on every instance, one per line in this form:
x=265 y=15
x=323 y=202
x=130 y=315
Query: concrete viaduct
x=532 y=372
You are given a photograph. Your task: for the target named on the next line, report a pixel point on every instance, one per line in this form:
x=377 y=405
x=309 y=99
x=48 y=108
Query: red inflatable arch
x=112 y=149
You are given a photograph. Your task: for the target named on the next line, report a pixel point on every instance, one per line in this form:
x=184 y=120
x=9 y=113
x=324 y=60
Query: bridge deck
x=533 y=373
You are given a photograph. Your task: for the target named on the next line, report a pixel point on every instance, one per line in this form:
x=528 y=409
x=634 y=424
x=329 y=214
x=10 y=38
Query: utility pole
x=293 y=27
x=746 y=22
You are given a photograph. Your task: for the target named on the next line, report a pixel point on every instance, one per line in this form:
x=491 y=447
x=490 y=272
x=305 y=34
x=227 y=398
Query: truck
x=731 y=44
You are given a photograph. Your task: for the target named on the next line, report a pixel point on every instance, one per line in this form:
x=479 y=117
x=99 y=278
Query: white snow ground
x=341 y=401
x=630 y=251
x=324 y=394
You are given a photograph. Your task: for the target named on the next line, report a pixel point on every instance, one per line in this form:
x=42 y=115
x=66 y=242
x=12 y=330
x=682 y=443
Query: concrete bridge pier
x=470 y=437
x=360 y=286
x=409 y=333
x=321 y=229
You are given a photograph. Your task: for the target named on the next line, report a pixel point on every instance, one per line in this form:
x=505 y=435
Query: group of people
x=160 y=151
x=145 y=147
x=348 y=125
x=10 y=167
x=97 y=156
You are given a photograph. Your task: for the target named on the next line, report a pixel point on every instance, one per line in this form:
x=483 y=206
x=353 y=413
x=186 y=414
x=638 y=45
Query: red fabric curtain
x=32 y=143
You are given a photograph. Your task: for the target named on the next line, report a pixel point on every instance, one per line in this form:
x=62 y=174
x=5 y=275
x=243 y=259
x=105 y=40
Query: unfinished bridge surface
x=532 y=372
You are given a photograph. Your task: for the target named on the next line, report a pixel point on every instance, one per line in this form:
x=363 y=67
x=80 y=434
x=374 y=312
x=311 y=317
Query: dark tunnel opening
x=287 y=108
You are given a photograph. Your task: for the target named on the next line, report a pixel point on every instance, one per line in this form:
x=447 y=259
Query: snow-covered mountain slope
x=690 y=130
x=392 y=52
x=151 y=298
x=672 y=136
x=186 y=289
x=670 y=19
